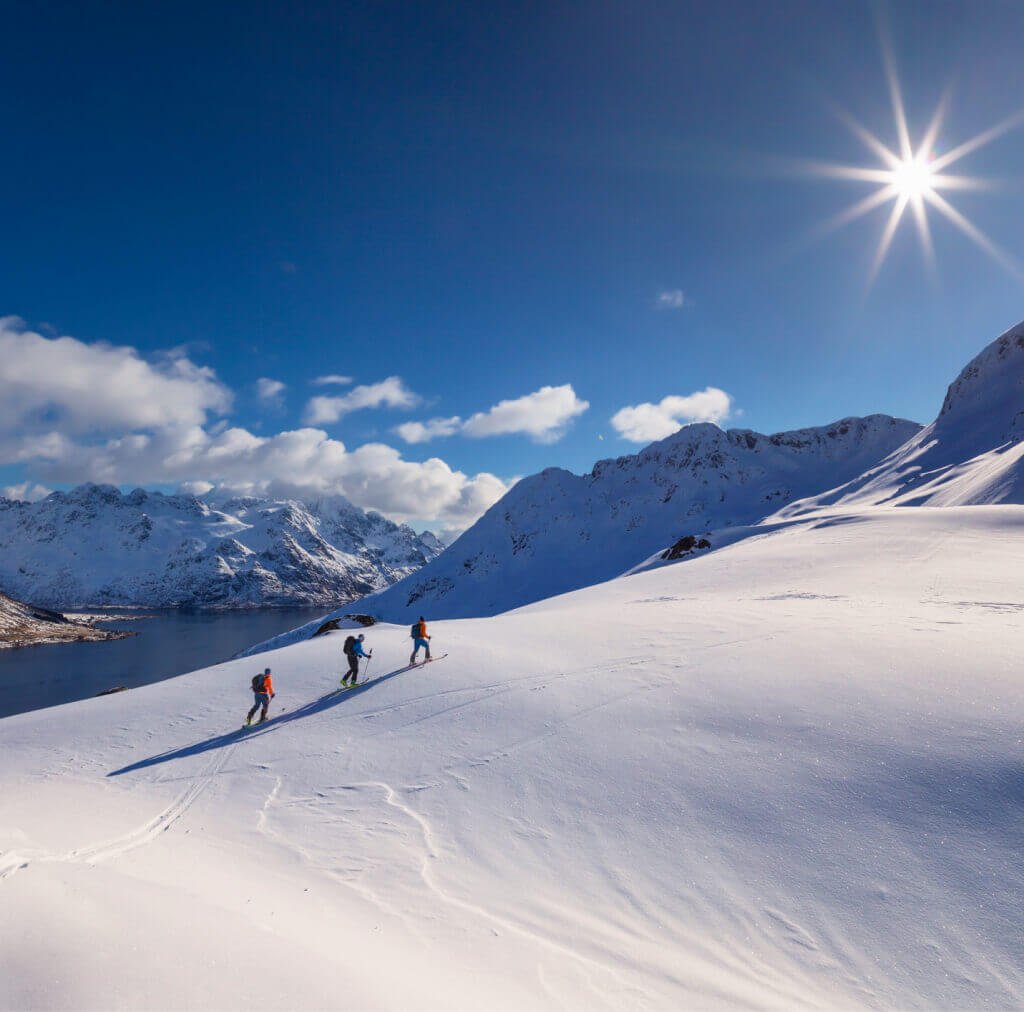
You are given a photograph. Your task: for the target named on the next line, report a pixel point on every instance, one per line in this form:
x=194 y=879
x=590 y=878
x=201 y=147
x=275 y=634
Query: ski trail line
x=587 y=964
x=96 y=853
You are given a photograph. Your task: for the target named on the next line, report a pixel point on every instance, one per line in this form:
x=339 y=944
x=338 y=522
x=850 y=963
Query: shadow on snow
x=315 y=706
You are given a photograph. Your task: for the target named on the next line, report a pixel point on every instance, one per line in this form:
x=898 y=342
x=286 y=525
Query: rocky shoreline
x=23 y=625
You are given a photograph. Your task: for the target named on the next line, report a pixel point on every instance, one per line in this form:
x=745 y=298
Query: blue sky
x=481 y=202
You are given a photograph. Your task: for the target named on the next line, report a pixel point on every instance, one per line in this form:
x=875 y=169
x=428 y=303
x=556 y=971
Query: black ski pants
x=353 y=667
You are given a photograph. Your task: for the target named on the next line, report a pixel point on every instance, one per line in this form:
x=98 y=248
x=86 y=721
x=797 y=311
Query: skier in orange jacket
x=263 y=690
x=419 y=639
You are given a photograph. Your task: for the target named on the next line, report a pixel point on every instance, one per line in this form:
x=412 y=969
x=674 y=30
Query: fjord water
x=169 y=643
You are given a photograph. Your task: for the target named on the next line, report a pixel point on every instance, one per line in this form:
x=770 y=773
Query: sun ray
x=979 y=141
x=886 y=240
x=969 y=229
x=866 y=136
x=932 y=133
x=895 y=95
x=923 y=230
x=833 y=170
x=855 y=211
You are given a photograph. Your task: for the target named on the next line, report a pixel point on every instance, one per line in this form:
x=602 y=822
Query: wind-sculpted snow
x=95 y=546
x=783 y=775
x=970 y=455
x=557 y=531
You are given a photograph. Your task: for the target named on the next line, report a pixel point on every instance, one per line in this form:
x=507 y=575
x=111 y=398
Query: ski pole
x=367 y=668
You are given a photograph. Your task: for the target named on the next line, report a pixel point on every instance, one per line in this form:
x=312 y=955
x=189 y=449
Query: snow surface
x=557 y=531
x=96 y=546
x=784 y=774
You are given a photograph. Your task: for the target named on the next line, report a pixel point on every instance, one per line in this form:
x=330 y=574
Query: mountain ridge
x=96 y=546
x=556 y=531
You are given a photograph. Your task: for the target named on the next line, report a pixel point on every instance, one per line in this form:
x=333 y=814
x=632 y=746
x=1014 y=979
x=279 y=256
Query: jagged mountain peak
x=972 y=454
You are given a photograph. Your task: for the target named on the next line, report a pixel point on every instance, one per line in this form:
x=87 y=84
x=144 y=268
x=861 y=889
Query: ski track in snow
x=147 y=833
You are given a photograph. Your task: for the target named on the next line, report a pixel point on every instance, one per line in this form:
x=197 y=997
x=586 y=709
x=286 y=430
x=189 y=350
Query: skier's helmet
x=361 y=637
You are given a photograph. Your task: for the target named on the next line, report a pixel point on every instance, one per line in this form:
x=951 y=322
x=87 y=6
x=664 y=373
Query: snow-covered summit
x=94 y=545
x=970 y=455
x=557 y=531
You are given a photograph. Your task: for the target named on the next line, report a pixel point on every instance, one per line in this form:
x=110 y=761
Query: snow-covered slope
x=558 y=531
x=96 y=546
x=22 y=625
x=970 y=455
x=785 y=775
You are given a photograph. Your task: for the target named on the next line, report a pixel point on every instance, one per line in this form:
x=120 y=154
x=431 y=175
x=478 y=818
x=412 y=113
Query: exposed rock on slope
x=557 y=531
x=95 y=546
x=22 y=625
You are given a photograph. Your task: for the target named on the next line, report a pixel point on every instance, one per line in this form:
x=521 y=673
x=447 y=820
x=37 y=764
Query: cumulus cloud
x=543 y=415
x=71 y=412
x=333 y=379
x=673 y=298
x=423 y=432
x=300 y=463
x=27 y=491
x=643 y=423
x=62 y=384
x=390 y=393
x=270 y=390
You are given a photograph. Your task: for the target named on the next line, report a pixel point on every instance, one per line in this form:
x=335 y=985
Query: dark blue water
x=170 y=643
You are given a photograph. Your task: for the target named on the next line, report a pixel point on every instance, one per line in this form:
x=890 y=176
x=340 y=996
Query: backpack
x=414 y=632
x=350 y=645
x=258 y=683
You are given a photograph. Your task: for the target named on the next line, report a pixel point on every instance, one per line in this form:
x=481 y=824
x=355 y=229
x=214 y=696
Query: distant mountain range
x=95 y=546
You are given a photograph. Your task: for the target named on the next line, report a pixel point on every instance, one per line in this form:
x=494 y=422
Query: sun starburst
x=914 y=177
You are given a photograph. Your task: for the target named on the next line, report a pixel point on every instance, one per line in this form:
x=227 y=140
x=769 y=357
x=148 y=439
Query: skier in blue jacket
x=353 y=651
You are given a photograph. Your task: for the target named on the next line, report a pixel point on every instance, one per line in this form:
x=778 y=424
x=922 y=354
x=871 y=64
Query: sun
x=913 y=176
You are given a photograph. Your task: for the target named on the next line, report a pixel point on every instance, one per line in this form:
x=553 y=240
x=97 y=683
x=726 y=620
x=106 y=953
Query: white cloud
x=270 y=389
x=391 y=393
x=27 y=491
x=62 y=384
x=423 y=432
x=543 y=415
x=303 y=462
x=644 y=423
x=72 y=412
x=196 y=488
x=673 y=298
x=331 y=380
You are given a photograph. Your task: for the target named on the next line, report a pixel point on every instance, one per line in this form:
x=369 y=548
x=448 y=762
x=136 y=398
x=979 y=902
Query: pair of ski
x=416 y=664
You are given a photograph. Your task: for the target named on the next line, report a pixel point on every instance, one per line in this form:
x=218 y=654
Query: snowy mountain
x=558 y=531
x=783 y=775
x=22 y=625
x=970 y=455
x=95 y=546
